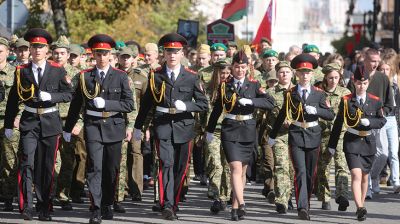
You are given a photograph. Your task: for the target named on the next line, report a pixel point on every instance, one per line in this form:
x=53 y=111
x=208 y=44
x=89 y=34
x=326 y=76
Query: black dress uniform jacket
x=118 y=97
x=304 y=137
x=372 y=110
x=54 y=82
x=179 y=126
x=234 y=130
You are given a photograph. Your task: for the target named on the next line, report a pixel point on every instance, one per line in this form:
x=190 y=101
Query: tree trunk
x=59 y=17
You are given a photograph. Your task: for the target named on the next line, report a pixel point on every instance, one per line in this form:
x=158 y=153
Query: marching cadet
x=361 y=112
x=237 y=99
x=104 y=94
x=9 y=147
x=60 y=51
x=304 y=105
x=334 y=92
x=39 y=85
x=283 y=169
x=175 y=93
x=269 y=60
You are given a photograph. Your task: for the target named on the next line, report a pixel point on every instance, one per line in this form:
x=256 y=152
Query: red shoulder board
x=55 y=64
x=22 y=66
x=87 y=70
x=373 y=97
x=348 y=96
x=191 y=71
x=318 y=89
x=120 y=70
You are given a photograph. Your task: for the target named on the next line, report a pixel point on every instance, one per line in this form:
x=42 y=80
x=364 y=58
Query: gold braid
x=21 y=89
x=225 y=100
x=154 y=89
x=85 y=91
x=346 y=115
x=299 y=110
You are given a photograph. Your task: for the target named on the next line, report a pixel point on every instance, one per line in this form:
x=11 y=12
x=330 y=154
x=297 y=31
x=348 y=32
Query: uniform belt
x=168 y=110
x=40 y=110
x=239 y=117
x=305 y=124
x=359 y=133
x=103 y=114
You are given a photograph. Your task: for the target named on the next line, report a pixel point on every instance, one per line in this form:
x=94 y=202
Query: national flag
x=265 y=28
x=234 y=10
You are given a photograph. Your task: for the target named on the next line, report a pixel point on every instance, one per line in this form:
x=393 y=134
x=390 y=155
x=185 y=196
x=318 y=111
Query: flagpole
x=247 y=21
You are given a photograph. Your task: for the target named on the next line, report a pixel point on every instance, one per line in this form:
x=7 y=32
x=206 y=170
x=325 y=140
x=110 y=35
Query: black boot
x=361 y=214
x=96 y=217
x=215 y=207
x=44 y=215
x=118 y=208
x=241 y=211
x=107 y=213
x=234 y=214
x=27 y=214
x=343 y=203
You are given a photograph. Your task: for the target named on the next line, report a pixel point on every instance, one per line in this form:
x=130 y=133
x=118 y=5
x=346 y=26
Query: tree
x=59 y=17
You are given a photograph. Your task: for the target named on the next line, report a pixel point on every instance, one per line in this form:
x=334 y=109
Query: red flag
x=265 y=28
x=357 y=30
x=234 y=10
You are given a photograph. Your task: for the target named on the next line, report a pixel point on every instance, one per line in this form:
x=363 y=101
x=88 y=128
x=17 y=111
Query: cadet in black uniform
x=105 y=95
x=237 y=99
x=360 y=112
x=39 y=85
x=175 y=92
x=303 y=106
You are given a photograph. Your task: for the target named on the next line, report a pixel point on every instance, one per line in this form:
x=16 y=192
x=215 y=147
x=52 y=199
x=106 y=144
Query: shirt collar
x=361 y=97
x=35 y=66
x=300 y=89
x=237 y=80
x=103 y=70
x=176 y=71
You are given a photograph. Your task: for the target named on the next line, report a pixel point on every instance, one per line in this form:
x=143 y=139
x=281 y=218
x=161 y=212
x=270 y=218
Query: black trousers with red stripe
x=102 y=171
x=37 y=158
x=174 y=161
x=305 y=165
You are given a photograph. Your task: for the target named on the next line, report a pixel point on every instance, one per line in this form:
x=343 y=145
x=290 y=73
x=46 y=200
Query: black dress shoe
x=169 y=214
x=157 y=207
x=290 y=205
x=44 y=216
x=234 y=214
x=8 y=206
x=326 y=206
x=241 y=211
x=77 y=200
x=343 y=203
x=95 y=218
x=27 y=214
x=303 y=214
x=280 y=208
x=118 y=208
x=66 y=206
x=361 y=214
x=107 y=213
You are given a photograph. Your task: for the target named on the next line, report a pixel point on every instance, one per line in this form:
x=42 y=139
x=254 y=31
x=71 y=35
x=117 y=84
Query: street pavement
x=383 y=209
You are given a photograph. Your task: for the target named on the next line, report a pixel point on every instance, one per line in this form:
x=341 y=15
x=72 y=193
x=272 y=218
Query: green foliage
x=340 y=44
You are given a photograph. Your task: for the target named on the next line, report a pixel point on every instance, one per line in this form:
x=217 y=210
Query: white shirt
x=104 y=70
x=35 y=70
x=176 y=72
x=235 y=81
x=361 y=97
x=300 y=90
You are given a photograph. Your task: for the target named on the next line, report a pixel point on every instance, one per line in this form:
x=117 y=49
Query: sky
x=363 y=5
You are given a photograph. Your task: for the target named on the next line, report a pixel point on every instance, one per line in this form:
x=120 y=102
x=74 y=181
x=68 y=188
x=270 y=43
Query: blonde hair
x=390 y=58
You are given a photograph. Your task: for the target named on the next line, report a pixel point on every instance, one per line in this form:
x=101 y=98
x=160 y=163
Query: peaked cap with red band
x=172 y=41
x=38 y=36
x=304 y=62
x=101 y=42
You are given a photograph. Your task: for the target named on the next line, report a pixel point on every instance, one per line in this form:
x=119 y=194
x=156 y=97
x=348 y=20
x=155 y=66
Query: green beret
x=270 y=53
x=311 y=48
x=4 y=41
x=218 y=47
x=222 y=63
x=75 y=49
x=282 y=64
x=119 y=44
x=331 y=67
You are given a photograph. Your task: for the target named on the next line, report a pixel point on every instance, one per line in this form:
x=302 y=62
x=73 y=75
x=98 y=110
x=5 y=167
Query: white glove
x=209 y=137
x=364 y=122
x=8 y=133
x=245 y=101
x=311 y=110
x=67 y=136
x=99 y=102
x=44 y=96
x=137 y=134
x=271 y=142
x=180 y=105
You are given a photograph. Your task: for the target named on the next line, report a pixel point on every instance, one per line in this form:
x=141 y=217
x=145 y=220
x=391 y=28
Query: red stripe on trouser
x=54 y=165
x=21 y=192
x=178 y=195
x=160 y=176
x=313 y=177
x=296 y=188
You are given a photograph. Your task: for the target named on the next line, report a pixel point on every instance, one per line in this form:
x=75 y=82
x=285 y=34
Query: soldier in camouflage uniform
x=283 y=169
x=66 y=153
x=313 y=50
x=22 y=52
x=9 y=148
x=217 y=166
x=334 y=94
x=126 y=56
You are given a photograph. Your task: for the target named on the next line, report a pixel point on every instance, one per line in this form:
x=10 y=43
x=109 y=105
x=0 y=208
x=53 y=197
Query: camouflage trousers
x=283 y=170
x=64 y=168
x=341 y=171
x=122 y=175
x=9 y=164
x=217 y=170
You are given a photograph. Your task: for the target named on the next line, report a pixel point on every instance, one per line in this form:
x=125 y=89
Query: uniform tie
x=239 y=85
x=102 y=76
x=172 y=77
x=304 y=96
x=39 y=70
x=361 y=102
